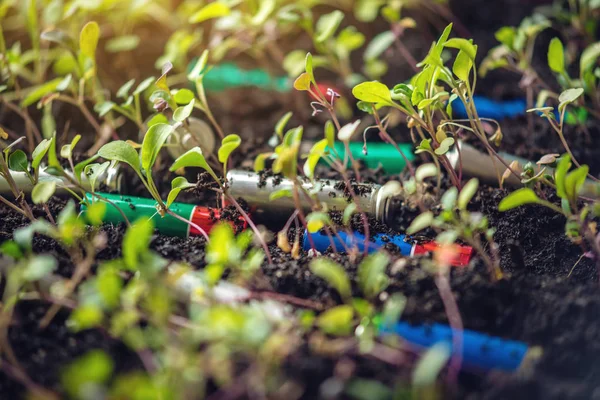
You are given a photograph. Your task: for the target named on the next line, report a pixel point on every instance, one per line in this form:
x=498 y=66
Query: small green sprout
x=334 y=274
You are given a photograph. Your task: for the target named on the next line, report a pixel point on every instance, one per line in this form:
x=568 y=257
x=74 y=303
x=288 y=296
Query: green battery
x=135 y=208
x=228 y=75
x=378 y=154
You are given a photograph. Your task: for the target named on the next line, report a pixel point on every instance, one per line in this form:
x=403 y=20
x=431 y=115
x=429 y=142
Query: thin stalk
x=251 y=223
x=206 y=109
x=190 y=223
x=388 y=139
x=455 y=320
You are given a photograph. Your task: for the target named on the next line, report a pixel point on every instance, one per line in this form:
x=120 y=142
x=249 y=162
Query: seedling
x=455 y=222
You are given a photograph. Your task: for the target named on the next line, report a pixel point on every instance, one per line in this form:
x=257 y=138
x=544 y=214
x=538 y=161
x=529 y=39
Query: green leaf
x=42 y=191
x=210 y=11
x=89 y=371
x=308 y=66
x=259 y=162
x=228 y=145
x=556 y=56
x=155 y=138
x=177 y=185
x=316 y=152
x=95 y=212
x=334 y=274
x=109 y=283
x=327 y=25
x=123 y=91
x=293 y=63
x=85 y=316
x=41 y=91
x=24 y=235
x=280 y=193
x=122 y=43
x=348 y=212
x=88 y=39
x=589 y=57
x=560 y=175
x=17 y=161
x=378 y=45
x=372 y=92
x=372 y=278
x=423 y=221
x=222 y=248
x=518 y=198
x=425 y=171
x=430 y=365
x=265 y=9
x=330 y=133
x=39 y=267
x=280 y=126
x=93 y=171
x=302 y=83
x=462 y=66
x=104 y=108
x=121 y=151
x=349 y=40
x=575 y=180
x=444 y=146
x=193 y=158
x=183 y=96
x=463 y=45
x=11 y=249
x=67 y=150
x=568 y=97
x=467 y=193
x=79 y=167
x=337 y=320
x=315 y=221
x=449 y=198
x=199 y=68
x=136 y=242
x=145 y=84
x=183 y=112
x=506 y=35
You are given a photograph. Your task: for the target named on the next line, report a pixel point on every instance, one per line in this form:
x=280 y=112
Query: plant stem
x=252 y=226
x=190 y=223
x=455 y=321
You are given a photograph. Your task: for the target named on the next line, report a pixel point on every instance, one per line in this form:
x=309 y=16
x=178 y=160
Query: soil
x=540 y=301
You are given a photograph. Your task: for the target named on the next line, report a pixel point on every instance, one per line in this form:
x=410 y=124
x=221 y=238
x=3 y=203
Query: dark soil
x=539 y=301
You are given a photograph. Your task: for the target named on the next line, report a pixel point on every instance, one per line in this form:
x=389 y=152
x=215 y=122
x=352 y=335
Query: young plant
x=566 y=98
x=570 y=187
x=195 y=158
x=427 y=103
x=457 y=222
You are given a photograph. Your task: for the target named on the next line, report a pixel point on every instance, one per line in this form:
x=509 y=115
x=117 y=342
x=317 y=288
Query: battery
x=140 y=207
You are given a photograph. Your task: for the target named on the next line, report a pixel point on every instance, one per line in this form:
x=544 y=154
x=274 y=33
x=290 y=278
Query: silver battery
x=112 y=178
x=248 y=186
x=479 y=164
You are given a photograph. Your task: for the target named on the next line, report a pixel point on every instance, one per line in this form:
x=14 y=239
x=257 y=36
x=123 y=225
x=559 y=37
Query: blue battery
x=478 y=350
x=487 y=108
x=356 y=239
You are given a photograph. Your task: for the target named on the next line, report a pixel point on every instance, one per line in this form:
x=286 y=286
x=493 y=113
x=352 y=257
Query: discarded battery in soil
x=344 y=240
x=479 y=351
x=139 y=207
